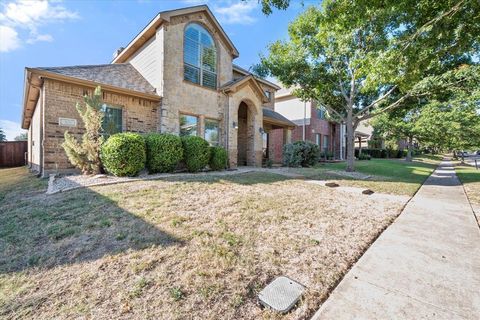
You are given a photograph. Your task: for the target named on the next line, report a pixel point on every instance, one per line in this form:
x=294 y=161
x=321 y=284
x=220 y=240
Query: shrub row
x=126 y=154
x=383 y=153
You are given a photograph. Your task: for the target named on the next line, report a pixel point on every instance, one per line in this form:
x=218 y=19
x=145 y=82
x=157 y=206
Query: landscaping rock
x=332 y=184
x=368 y=192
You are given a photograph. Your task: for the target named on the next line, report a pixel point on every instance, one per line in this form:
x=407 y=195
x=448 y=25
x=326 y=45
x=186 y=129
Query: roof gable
x=163 y=17
x=233 y=85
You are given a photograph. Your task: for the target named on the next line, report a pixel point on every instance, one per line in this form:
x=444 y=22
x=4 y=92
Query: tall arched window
x=199 y=57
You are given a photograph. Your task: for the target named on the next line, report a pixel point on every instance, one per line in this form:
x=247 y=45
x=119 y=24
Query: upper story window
x=112 y=120
x=321 y=113
x=269 y=95
x=199 y=57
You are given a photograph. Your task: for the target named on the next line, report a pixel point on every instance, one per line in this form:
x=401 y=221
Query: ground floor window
x=212 y=130
x=325 y=143
x=317 y=139
x=188 y=125
x=112 y=119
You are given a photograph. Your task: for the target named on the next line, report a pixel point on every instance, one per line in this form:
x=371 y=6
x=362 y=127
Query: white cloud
x=237 y=12
x=9 y=40
x=25 y=17
x=11 y=129
x=40 y=37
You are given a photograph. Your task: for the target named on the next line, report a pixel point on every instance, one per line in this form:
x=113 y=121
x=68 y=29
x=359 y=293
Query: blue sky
x=62 y=33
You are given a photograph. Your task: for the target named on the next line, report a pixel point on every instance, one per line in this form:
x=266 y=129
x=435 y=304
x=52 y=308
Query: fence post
x=476 y=165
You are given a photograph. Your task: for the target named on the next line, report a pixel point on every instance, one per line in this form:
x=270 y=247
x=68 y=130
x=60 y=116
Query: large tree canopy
x=361 y=58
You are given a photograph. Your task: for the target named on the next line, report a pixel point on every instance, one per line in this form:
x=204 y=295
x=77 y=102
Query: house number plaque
x=67 y=122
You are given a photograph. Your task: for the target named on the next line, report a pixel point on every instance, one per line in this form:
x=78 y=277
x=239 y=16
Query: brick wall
x=316 y=126
x=139 y=115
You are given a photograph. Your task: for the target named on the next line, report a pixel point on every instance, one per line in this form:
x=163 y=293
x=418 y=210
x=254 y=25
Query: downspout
x=42 y=127
x=304 y=119
x=227 y=124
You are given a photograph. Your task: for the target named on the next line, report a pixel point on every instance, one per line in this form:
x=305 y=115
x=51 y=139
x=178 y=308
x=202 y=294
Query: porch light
x=235 y=125
x=261 y=130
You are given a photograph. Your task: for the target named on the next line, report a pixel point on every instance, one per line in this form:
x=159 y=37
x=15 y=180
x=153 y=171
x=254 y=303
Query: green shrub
x=300 y=154
x=124 y=154
x=196 y=153
x=364 y=156
x=164 y=152
x=326 y=155
x=218 y=158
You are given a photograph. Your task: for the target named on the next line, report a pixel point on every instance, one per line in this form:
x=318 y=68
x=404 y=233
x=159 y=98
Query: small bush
x=326 y=155
x=164 y=152
x=218 y=158
x=124 y=154
x=300 y=154
x=364 y=156
x=196 y=153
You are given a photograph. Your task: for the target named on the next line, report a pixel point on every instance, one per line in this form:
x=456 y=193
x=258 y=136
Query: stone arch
x=246 y=113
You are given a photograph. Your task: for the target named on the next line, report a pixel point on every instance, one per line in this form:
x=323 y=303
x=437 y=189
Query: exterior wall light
x=261 y=130
x=235 y=125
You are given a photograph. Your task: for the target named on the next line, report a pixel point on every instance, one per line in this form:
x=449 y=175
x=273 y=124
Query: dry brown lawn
x=187 y=249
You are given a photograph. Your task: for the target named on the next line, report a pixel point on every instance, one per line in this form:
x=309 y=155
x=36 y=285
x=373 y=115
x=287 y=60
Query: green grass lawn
x=470 y=178
x=395 y=176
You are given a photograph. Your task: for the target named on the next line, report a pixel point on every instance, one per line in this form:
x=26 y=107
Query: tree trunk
x=410 y=149
x=350 y=142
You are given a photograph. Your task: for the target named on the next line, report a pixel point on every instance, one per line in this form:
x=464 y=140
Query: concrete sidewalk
x=426 y=265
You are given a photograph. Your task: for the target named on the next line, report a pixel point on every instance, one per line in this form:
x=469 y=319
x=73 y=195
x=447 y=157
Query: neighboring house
x=177 y=75
x=311 y=122
x=363 y=135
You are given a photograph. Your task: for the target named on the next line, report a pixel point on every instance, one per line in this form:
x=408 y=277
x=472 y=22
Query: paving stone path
x=426 y=265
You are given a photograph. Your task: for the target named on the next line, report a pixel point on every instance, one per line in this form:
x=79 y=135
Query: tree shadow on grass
x=43 y=231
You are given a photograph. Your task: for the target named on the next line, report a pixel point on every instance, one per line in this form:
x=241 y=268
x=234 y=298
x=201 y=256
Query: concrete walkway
x=426 y=265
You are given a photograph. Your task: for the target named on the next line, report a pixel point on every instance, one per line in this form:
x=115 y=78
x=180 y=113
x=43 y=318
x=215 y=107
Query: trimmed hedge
x=164 y=152
x=300 y=153
x=383 y=153
x=196 y=153
x=123 y=154
x=218 y=158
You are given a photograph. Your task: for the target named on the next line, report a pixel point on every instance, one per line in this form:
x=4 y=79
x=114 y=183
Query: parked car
x=463 y=154
x=477 y=153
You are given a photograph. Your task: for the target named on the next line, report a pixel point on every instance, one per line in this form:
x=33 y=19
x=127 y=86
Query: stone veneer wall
x=180 y=96
x=139 y=115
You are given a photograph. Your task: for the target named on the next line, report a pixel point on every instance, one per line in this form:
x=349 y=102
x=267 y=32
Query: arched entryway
x=245 y=136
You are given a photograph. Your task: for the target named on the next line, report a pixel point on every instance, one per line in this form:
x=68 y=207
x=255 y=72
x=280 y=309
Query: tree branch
x=417 y=33
x=390 y=107
x=376 y=101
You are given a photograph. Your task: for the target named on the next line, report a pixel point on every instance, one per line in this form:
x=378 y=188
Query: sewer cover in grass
x=281 y=294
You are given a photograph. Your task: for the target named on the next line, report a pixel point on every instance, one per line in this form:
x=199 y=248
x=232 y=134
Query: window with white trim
x=199 y=57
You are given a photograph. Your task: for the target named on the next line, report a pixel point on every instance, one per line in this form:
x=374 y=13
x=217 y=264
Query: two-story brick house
x=177 y=75
x=312 y=125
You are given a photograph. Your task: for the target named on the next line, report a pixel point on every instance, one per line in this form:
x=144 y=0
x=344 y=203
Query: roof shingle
x=122 y=75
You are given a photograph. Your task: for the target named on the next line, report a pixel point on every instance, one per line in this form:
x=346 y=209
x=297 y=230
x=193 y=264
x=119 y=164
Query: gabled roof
x=232 y=85
x=164 y=16
x=121 y=78
x=122 y=75
x=246 y=72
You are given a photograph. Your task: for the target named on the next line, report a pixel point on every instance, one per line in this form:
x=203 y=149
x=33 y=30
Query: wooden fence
x=13 y=153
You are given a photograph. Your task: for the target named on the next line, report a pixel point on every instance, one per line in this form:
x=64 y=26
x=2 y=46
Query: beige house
x=177 y=75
